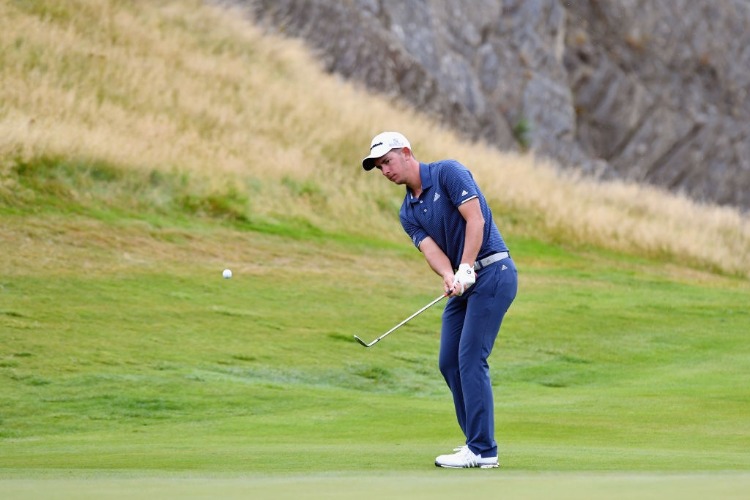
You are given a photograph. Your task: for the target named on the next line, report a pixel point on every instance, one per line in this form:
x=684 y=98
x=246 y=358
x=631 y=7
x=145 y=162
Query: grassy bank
x=181 y=87
x=146 y=146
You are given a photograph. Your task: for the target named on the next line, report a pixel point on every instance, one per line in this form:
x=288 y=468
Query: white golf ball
x=227 y=273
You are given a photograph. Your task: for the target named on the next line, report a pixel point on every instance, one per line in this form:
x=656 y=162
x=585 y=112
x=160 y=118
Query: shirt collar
x=425 y=178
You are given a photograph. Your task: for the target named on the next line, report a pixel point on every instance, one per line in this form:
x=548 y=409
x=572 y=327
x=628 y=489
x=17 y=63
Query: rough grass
x=180 y=86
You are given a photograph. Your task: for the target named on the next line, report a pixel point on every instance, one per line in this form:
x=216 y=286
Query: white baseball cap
x=381 y=144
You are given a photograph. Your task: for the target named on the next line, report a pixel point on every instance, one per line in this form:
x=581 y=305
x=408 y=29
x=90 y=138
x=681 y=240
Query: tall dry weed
x=188 y=86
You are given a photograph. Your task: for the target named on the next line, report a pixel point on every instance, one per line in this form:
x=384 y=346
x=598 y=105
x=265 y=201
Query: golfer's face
x=393 y=166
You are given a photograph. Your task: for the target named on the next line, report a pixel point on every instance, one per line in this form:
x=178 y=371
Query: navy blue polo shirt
x=445 y=186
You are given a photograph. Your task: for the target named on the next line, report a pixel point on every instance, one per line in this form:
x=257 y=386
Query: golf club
x=402 y=323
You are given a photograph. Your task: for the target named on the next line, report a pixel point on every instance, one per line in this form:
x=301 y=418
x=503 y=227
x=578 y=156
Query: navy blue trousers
x=471 y=323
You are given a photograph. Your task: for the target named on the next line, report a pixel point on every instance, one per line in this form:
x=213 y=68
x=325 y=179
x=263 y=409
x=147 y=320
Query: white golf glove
x=464 y=278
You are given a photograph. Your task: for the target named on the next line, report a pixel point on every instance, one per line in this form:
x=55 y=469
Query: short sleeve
x=458 y=183
x=413 y=230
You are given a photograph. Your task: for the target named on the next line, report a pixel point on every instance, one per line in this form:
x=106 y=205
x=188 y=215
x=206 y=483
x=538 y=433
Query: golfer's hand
x=463 y=279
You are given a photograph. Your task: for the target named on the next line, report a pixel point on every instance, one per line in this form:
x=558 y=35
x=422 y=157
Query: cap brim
x=368 y=163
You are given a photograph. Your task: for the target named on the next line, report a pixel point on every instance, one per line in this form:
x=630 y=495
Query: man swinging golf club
x=449 y=221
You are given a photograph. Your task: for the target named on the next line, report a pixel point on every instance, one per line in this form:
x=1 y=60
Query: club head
x=365 y=344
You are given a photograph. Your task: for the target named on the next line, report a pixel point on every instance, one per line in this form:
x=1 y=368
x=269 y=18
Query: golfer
x=449 y=221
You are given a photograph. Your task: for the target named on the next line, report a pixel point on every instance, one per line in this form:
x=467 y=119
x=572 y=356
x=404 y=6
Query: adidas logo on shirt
x=464 y=193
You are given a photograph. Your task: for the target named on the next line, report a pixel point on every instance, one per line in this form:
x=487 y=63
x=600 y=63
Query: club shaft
x=404 y=321
x=413 y=316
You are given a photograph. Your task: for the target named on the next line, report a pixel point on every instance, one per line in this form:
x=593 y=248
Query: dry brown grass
x=183 y=85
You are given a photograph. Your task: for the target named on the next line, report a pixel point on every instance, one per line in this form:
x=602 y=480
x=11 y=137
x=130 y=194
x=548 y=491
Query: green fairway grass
x=147 y=146
x=602 y=364
x=393 y=485
x=128 y=362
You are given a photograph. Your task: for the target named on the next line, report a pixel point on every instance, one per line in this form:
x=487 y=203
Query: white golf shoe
x=464 y=458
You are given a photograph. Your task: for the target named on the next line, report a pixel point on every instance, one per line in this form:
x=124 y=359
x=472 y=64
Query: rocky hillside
x=649 y=90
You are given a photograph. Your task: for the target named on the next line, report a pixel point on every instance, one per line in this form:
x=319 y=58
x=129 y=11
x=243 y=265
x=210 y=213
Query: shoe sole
x=483 y=466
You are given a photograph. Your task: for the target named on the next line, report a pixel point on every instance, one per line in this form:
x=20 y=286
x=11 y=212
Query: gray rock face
x=649 y=90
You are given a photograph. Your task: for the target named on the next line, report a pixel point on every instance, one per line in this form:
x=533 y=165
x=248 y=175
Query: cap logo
x=375 y=145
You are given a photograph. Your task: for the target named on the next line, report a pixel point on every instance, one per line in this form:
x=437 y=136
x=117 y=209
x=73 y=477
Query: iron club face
x=365 y=343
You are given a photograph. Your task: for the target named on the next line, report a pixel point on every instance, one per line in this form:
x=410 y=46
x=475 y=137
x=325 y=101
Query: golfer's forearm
x=436 y=258
x=471 y=211
x=473 y=242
